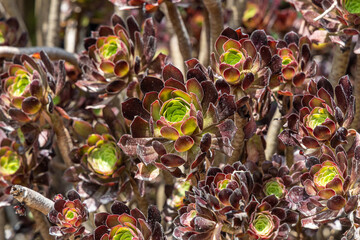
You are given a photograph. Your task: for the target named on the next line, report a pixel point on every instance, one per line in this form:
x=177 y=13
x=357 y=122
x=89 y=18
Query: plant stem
x=2 y=223
x=238 y=8
x=180 y=30
x=289 y=154
x=64 y=142
x=340 y=62
x=238 y=141
x=272 y=134
x=216 y=19
x=356 y=123
x=52 y=38
x=204 y=51
x=54 y=53
x=42 y=225
x=32 y=199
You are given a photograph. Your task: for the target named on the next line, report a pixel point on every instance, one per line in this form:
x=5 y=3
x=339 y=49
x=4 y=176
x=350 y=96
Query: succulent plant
x=176 y=118
x=116 y=56
x=216 y=204
x=268 y=221
x=28 y=89
x=98 y=168
x=342 y=20
x=68 y=214
x=323 y=115
x=10 y=33
x=124 y=223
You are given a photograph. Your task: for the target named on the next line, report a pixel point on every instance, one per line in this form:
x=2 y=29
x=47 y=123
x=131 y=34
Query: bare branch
x=54 y=53
x=356 y=122
x=272 y=135
x=42 y=225
x=332 y=7
x=32 y=199
x=63 y=138
x=340 y=62
x=52 y=38
x=180 y=30
x=216 y=19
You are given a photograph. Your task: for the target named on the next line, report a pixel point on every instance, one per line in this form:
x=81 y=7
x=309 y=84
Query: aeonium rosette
x=10 y=33
x=68 y=214
x=270 y=219
x=27 y=89
x=100 y=156
x=97 y=170
x=275 y=186
x=10 y=161
x=116 y=55
x=175 y=118
x=323 y=115
x=124 y=223
x=217 y=204
x=240 y=61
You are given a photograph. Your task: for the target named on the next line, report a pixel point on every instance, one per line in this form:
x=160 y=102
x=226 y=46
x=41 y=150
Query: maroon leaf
x=172 y=160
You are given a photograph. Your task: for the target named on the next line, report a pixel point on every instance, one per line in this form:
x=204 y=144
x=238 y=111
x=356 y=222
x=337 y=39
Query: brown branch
x=272 y=135
x=54 y=53
x=238 y=141
x=42 y=225
x=64 y=142
x=180 y=30
x=52 y=38
x=41 y=21
x=2 y=223
x=340 y=62
x=238 y=8
x=216 y=19
x=356 y=123
x=289 y=155
x=32 y=199
x=204 y=52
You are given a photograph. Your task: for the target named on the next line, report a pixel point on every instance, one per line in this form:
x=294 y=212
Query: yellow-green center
x=2 y=39
x=263 y=224
x=286 y=61
x=20 y=84
x=352 y=6
x=123 y=233
x=103 y=159
x=325 y=175
x=232 y=57
x=9 y=163
x=274 y=188
x=109 y=49
x=318 y=117
x=223 y=184
x=175 y=110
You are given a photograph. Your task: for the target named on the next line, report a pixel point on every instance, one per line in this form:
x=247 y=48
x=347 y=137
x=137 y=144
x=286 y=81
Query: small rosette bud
x=103 y=155
x=263 y=225
x=274 y=187
x=68 y=215
x=10 y=161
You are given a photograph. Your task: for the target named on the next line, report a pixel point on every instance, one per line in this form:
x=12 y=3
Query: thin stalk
x=272 y=135
x=238 y=8
x=204 y=51
x=179 y=27
x=54 y=53
x=64 y=142
x=356 y=123
x=52 y=38
x=340 y=62
x=42 y=225
x=2 y=223
x=289 y=155
x=238 y=141
x=32 y=199
x=216 y=19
